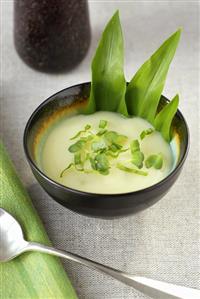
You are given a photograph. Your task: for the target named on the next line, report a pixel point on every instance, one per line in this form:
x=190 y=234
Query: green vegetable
x=137 y=159
x=142 y=96
x=146 y=133
x=68 y=167
x=32 y=275
x=98 y=145
x=102 y=124
x=131 y=170
x=87 y=127
x=77 y=158
x=101 y=132
x=137 y=155
x=135 y=146
x=76 y=146
x=145 y=89
x=108 y=82
x=102 y=164
x=164 y=118
x=155 y=161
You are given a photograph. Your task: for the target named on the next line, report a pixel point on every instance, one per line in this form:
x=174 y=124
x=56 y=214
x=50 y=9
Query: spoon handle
x=150 y=287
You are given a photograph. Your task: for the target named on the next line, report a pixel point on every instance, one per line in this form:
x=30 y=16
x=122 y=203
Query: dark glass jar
x=51 y=35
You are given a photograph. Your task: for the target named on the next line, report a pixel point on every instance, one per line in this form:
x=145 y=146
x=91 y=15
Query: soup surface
x=56 y=156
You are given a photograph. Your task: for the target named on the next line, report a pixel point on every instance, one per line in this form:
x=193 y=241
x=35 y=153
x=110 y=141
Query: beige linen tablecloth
x=161 y=242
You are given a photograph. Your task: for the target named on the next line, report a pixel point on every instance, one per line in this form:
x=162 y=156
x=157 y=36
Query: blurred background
x=161 y=242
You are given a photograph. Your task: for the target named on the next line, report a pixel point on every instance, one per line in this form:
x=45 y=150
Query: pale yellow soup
x=56 y=157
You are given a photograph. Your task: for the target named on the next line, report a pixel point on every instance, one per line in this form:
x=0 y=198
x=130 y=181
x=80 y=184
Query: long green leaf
x=144 y=91
x=108 y=82
x=164 y=118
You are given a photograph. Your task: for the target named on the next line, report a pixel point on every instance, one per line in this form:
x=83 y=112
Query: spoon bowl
x=11 y=236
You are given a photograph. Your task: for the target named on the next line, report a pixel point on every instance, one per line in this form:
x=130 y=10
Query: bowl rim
x=92 y=194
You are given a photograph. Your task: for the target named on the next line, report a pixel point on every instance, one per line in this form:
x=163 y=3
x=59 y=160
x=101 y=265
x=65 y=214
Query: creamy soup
x=56 y=156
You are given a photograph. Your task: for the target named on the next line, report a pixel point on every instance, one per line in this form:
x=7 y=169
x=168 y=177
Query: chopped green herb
x=146 y=133
x=155 y=161
x=102 y=164
x=77 y=158
x=116 y=154
x=87 y=127
x=93 y=163
x=137 y=159
x=68 y=167
x=101 y=132
x=76 y=146
x=102 y=124
x=135 y=146
x=98 y=145
x=131 y=170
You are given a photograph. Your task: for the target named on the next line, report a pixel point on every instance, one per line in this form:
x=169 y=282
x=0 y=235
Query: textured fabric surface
x=161 y=242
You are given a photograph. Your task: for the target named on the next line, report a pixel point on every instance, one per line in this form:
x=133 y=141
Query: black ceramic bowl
x=68 y=102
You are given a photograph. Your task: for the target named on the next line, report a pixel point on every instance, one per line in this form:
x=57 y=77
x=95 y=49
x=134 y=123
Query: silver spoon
x=12 y=244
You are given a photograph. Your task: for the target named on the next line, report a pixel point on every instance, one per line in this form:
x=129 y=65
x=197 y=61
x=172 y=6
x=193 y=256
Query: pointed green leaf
x=108 y=83
x=145 y=89
x=164 y=118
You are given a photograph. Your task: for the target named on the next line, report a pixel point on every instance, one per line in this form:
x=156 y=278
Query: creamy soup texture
x=55 y=155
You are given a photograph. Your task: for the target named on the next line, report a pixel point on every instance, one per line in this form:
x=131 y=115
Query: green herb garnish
x=155 y=161
x=102 y=164
x=146 y=133
x=76 y=146
x=102 y=151
x=131 y=170
x=137 y=155
x=108 y=82
x=102 y=124
x=141 y=96
x=145 y=89
x=137 y=159
x=87 y=127
x=164 y=118
x=98 y=145
x=68 y=167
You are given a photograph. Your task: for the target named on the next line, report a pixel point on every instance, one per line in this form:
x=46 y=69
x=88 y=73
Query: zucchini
x=32 y=275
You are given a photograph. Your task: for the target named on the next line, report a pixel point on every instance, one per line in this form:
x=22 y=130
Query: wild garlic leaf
x=137 y=159
x=164 y=118
x=145 y=89
x=102 y=124
x=108 y=82
x=146 y=133
x=131 y=170
x=155 y=161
